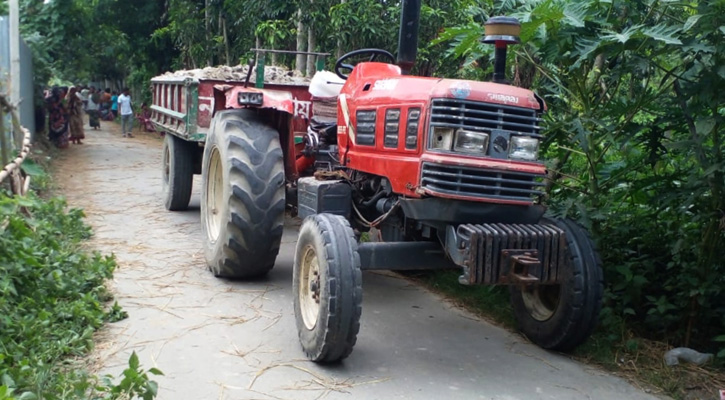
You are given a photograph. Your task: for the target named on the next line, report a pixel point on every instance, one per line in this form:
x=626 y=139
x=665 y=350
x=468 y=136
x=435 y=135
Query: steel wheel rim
x=309 y=283
x=541 y=301
x=167 y=164
x=214 y=195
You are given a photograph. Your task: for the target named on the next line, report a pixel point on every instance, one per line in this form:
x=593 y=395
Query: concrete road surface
x=220 y=339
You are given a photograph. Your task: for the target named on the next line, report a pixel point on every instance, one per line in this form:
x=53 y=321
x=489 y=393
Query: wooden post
x=14 y=99
x=4 y=157
x=260 y=71
x=14 y=53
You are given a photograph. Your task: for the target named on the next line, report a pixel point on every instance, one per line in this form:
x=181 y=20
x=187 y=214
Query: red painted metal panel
x=378 y=83
x=299 y=105
x=278 y=100
x=206 y=104
x=378 y=86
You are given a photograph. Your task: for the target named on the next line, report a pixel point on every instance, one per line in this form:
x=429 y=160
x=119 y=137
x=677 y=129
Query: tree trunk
x=310 y=48
x=339 y=52
x=227 y=52
x=219 y=32
x=207 y=31
x=301 y=59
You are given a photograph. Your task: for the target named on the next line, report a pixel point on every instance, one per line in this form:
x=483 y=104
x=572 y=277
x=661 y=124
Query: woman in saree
x=57 y=118
x=75 y=116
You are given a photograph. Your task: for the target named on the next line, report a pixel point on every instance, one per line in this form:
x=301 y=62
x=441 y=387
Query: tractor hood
x=378 y=83
x=484 y=91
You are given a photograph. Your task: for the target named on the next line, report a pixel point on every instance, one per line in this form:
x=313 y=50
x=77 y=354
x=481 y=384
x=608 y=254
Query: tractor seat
x=323 y=124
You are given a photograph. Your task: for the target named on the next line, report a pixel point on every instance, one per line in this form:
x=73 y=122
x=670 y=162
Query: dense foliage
x=51 y=302
x=636 y=147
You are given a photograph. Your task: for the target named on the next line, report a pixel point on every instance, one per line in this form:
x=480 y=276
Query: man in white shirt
x=126 y=111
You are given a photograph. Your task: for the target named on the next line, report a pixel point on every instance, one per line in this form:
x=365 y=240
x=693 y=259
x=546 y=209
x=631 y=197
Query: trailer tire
x=177 y=173
x=327 y=288
x=560 y=317
x=243 y=199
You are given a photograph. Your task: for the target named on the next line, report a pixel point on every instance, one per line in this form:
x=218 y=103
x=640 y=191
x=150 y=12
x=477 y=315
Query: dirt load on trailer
x=272 y=74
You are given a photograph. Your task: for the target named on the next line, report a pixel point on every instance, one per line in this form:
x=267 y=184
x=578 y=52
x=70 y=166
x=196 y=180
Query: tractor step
x=493 y=254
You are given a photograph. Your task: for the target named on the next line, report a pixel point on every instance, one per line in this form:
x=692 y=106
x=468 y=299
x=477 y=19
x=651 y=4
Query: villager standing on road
x=94 y=101
x=124 y=106
x=75 y=116
x=114 y=104
x=85 y=93
x=57 y=117
x=106 y=97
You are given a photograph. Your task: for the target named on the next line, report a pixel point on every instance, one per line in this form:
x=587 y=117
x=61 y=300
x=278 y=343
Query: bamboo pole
x=10 y=166
x=4 y=157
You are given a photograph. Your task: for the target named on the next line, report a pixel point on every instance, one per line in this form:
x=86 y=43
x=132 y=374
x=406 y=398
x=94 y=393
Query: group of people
x=66 y=107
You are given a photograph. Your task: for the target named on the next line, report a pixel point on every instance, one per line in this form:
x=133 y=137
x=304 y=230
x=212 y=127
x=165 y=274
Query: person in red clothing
x=144 y=118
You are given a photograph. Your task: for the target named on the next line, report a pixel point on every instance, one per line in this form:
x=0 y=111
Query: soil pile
x=238 y=73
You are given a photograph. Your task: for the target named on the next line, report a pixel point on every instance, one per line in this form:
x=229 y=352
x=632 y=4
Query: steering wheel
x=340 y=65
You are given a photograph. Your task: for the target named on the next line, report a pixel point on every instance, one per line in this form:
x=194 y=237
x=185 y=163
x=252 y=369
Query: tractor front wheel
x=243 y=199
x=327 y=288
x=562 y=316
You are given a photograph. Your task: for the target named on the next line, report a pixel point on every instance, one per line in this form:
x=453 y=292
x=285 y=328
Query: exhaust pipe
x=501 y=31
x=408 y=36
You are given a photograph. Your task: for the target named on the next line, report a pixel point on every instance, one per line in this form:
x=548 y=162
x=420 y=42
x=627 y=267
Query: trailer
x=185 y=104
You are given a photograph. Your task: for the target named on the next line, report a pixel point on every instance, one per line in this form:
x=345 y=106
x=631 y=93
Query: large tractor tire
x=177 y=172
x=560 y=317
x=327 y=288
x=243 y=203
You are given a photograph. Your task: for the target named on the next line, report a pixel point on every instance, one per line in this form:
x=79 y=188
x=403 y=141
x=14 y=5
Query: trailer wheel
x=327 y=288
x=562 y=316
x=242 y=205
x=177 y=173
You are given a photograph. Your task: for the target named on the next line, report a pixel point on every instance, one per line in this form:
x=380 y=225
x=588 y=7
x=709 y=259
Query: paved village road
x=220 y=339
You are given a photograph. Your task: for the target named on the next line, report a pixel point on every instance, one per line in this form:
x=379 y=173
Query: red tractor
x=439 y=173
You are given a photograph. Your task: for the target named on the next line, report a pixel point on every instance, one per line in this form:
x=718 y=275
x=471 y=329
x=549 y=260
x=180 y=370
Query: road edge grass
x=53 y=298
x=612 y=347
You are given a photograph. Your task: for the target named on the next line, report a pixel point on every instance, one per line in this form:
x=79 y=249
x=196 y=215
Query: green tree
x=634 y=135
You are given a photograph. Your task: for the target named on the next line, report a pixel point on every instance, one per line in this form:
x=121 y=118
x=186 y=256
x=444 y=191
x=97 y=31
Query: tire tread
x=253 y=160
x=177 y=192
x=344 y=281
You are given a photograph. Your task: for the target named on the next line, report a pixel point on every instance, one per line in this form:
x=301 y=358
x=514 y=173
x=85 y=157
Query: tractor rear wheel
x=327 y=288
x=177 y=172
x=562 y=316
x=243 y=199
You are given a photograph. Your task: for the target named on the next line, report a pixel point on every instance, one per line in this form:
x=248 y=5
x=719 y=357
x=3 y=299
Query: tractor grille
x=480 y=116
x=486 y=244
x=483 y=183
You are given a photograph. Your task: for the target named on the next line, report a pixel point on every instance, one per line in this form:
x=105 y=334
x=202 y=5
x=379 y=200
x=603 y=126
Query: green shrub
x=52 y=298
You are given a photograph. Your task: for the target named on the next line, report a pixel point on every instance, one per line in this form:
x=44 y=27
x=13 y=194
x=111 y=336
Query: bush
x=52 y=297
